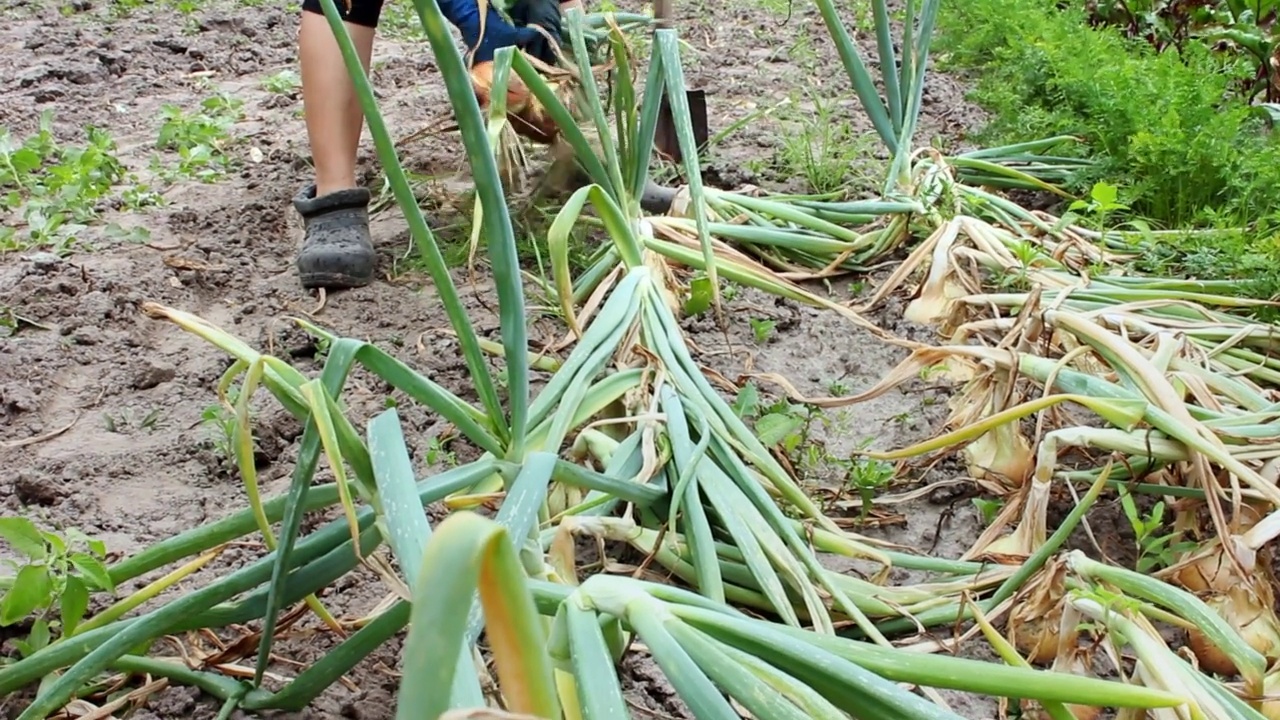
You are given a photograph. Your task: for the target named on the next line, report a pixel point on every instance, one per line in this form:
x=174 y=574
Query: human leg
x=337 y=251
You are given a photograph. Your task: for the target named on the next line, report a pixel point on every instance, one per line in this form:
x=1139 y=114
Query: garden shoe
x=336 y=249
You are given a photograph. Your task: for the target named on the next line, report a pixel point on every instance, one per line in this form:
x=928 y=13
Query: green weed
x=52 y=580
x=285 y=82
x=1162 y=125
x=823 y=148
x=1155 y=551
x=762 y=329
x=54 y=191
x=200 y=139
x=127 y=421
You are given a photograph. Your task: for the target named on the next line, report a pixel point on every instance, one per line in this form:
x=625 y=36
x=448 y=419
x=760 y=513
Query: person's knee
x=360 y=12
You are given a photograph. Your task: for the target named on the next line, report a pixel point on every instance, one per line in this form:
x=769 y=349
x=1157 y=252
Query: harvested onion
x=1246 y=603
x=1035 y=623
x=1249 y=613
x=526 y=115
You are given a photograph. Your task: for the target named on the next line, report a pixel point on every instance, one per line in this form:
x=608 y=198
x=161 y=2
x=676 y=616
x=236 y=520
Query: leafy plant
x=56 y=189
x=1161 y=124
x=1103 y=199
x=1155 y=551
x=51 y=582
x=200 y=139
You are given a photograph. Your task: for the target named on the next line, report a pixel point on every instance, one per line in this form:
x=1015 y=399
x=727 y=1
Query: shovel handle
x=662 y=13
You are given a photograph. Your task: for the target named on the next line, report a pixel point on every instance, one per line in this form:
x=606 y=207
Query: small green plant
x=1154 y=551
x=220 y=423
x=929 y=373
x=126 y=421
x=1104 y=199
x=988 y=508
x=781 y=424
x=52 y=580
x=762 y=329
x=438 y=452
x=56 y=189
x=285 y=82
x=824 y=149
x=700 y=295
x=747 y=402
x=869 y=478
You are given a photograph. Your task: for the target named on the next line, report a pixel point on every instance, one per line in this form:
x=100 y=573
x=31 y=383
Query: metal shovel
x=665 y=139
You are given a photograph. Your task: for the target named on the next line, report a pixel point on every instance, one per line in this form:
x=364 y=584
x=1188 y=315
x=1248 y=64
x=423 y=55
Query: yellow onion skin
x=523 y=112
x=1036 y=639
x=1035 y=623
x=1246 y=603
x=1251 y=616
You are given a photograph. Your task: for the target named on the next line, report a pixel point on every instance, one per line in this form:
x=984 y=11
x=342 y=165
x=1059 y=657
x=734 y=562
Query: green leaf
x=75 y=601
x=23 y=535
x=776 y=427
x=56 y=542
x=747 y=404
x=468 y=552
x=700 y=296
x=92 y=568
x=1104 y=193
x=407 y=529
x=39 y=637
x=31 y=590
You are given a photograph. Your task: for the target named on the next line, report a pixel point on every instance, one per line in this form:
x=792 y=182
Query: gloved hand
x=498 y=33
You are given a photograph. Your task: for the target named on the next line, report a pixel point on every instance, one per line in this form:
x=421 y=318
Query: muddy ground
x=109 y=418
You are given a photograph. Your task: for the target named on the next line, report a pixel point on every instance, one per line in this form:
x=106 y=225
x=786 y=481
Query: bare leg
x=337 y=251
x=334 y=118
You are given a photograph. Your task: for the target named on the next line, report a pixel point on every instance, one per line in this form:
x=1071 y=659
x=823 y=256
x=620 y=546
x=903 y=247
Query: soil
x=104 y=412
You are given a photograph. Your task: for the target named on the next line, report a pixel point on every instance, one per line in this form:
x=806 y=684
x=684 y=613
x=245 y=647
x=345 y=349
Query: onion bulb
x=1068 y=656
x=1251 y=615
x=526 y=115
x=1002 y=455
x=1035 y=623
x=1246 y=603
x=1000 y=459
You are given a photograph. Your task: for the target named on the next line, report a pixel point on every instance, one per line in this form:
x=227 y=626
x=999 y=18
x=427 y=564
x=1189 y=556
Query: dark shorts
x=362 y=12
